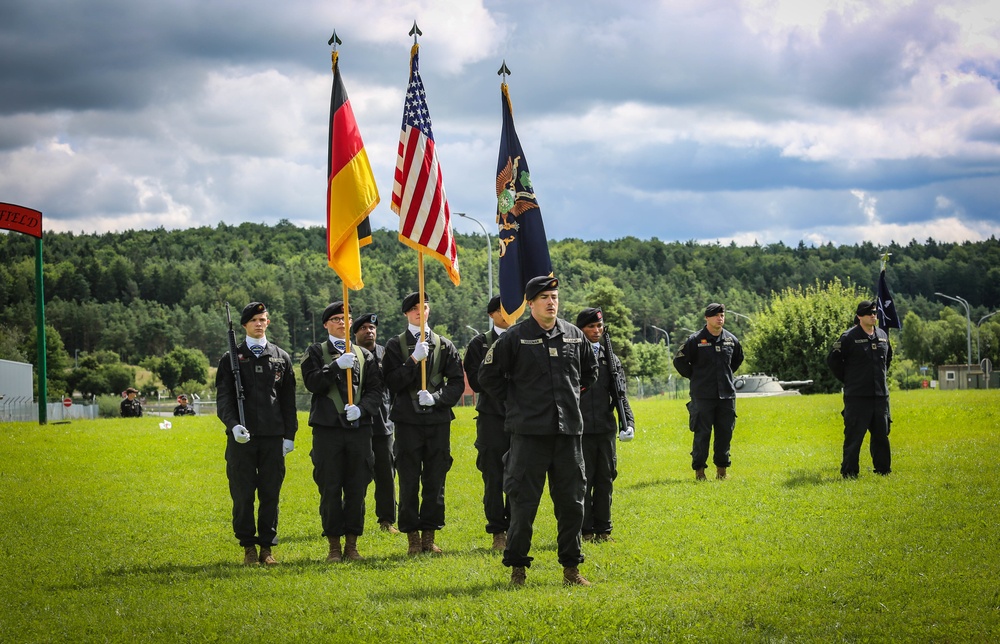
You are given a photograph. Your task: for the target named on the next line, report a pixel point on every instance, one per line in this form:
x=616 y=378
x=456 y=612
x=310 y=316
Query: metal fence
x=26 y=410
x=671 y=387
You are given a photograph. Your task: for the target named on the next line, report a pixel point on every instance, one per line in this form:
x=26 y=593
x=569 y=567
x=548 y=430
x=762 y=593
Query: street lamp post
x=489 y=254
x=740 y=315
x=979 y=354
x=472 y=328
x=968 y=324
x=667 y=335
x=653 y=326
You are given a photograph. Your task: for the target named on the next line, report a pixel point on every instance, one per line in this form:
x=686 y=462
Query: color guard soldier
x=256 y=468
x=365 y=330
x=342 y=430
x=600 y=429
x=492 y=442
x=423 y=423
x=860 y=359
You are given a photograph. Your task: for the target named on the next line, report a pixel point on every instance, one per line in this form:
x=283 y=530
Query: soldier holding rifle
x=598 y=403
x=256 y=402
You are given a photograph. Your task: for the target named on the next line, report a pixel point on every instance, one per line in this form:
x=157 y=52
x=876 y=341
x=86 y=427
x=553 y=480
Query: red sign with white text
x=23 y=220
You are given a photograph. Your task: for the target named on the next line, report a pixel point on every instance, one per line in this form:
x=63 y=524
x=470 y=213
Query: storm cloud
x=723 y=120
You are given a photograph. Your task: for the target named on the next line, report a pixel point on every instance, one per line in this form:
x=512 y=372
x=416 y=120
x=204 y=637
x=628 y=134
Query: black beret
x=866 y=307
x=363 y=320
x=411 y=300
x=589 y=316
x=494 y=305
x=250 y=310
x=538 y=284
x=714 y=309
x=131 y=390
x=336 y=308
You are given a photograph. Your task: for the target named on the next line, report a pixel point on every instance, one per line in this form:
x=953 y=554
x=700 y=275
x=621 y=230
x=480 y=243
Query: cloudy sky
x=769 y=120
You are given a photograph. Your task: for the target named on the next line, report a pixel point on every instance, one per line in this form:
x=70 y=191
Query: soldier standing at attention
x=860 y=359
x=423 y=422
x=365 y=330
x=342 y=430
x=256 y=468
x=492 y=442
x=597 y=403
x=537 y=368
x=709 y=359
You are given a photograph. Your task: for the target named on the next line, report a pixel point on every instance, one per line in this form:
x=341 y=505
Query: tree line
x=152 y=297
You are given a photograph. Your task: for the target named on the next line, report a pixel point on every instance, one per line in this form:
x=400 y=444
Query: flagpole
x=347 y=345
x=885 y=260
x=423 y=321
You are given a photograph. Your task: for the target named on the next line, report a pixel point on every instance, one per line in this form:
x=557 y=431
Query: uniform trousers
x=706 y=413
x=342 y=469
x=423 y=458
x=864 y=414
x=385 y=478
x=530 y=459
x=601 y=461
x=492 y=442
x=255 y=470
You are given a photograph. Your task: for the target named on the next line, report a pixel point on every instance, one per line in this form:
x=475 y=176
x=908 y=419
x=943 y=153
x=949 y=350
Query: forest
x=140 y=296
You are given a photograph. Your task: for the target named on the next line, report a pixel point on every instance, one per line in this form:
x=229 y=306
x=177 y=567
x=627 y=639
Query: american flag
x=418 y=191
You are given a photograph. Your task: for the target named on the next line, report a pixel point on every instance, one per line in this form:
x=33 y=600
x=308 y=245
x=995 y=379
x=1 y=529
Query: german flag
x=351 y=193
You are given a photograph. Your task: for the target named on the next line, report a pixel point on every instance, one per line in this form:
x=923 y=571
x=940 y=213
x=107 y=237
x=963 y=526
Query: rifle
x=234 y=362
x=618 y=386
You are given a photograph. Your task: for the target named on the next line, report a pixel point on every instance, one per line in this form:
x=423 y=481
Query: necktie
x=256 y=349
x=339 y=345
x=597 y=352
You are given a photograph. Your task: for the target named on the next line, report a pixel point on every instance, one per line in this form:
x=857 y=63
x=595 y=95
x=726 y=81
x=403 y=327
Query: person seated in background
x=182 y=408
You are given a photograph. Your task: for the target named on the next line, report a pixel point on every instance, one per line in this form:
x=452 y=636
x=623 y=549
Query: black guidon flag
x=886 y=308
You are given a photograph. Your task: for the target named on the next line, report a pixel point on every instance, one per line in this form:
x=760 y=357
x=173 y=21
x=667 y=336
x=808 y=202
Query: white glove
x=346 y=361
x=420 y=351
x=425 y=398
x=241 y=434
x=626 y=434
x=286 y=446
x=353 y=412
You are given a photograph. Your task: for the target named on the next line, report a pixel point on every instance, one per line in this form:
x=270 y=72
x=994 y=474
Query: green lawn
x=117 y=530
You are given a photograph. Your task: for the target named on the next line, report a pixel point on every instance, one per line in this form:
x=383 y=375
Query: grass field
x=117 y=530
